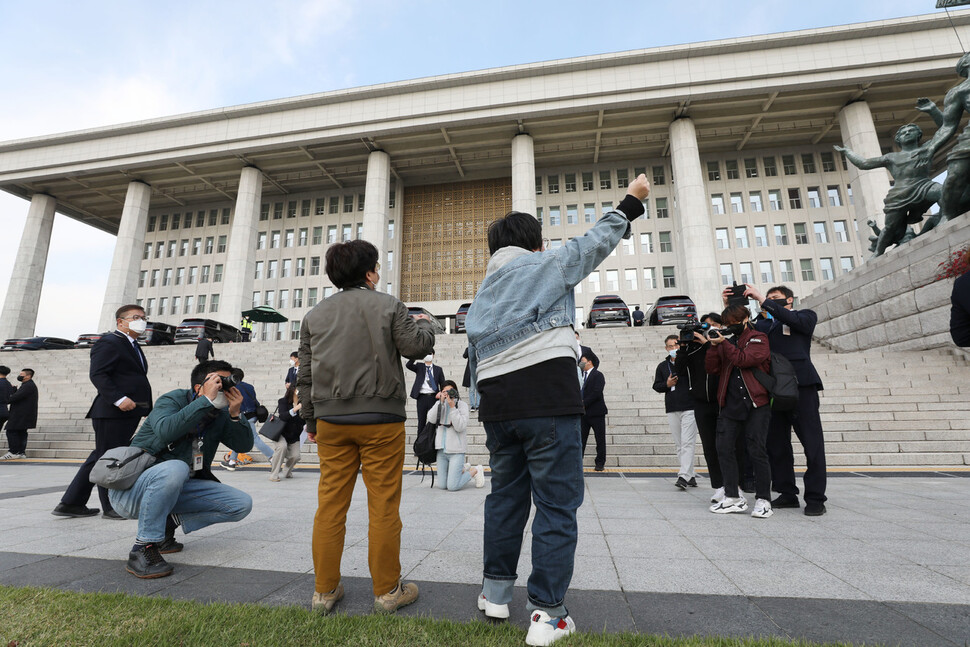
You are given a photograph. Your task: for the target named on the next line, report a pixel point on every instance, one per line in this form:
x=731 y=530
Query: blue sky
x=72 y=65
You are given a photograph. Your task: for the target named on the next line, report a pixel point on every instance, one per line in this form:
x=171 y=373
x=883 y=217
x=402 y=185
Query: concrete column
x=698 y=276
x=377 y=194
x=523 y=174
x=126 y=263
x=19 y=314
x=869 y=188
x=237 y=282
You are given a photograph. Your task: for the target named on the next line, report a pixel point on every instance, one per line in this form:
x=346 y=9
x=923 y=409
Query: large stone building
x=218 y=210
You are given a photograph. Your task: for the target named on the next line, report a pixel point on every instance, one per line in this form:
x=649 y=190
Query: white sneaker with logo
x=492 y=610
x=544 y=630
x=729 y=505
x=718 y=495
x=762 y=509
x=479 y=477
x=9 y=456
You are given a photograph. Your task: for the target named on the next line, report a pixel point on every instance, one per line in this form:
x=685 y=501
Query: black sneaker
x=229 y=465
x=814 y=509
x=599 y=468
x=785 y=501
x=692 y=482
x=111 y=514
x=148 y=563
x=681 y=483
x=68 y=510
x=168 y=546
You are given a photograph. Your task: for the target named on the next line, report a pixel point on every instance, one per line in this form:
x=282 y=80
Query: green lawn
x=33 y=617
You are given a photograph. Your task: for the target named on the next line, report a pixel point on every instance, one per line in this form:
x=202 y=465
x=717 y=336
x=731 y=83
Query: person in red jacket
x=736 y=351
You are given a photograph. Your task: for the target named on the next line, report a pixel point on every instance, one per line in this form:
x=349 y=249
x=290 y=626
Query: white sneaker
x=544 y=630
x=479 y=477
x=729 y=505
x=492 y=610
x=718 y=495
x=9 y=456
x=20 y=456
x=762 y=509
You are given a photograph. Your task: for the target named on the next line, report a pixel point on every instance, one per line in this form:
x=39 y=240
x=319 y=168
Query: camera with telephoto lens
x=737 y=295
x=452 y=393
x=692 y=326
x=230 y=382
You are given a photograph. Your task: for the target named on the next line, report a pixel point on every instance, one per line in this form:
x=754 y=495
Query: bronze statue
x=913 y=192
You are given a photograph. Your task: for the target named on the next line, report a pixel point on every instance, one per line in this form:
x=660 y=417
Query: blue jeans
x=258 y=443
x=541 y=459
x=166 y=488
x=451 y=471
x=474 y=398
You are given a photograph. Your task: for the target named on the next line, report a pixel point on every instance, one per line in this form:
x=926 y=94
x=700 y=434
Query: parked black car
x=191 y=330
x=460 y=317
x=37 y=343
x=438 y=328
x=607 y=309
x=158 y=334
x=671 y=310
x=86 y=341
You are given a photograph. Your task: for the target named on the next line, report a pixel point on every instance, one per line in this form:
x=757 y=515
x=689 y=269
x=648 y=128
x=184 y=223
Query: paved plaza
x=888 y=564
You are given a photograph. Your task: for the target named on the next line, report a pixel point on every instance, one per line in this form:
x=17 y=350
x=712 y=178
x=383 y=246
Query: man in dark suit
x=595 y=416
x=293 y=370
x=204 y=349
x=22 y=416
x=790 y=334
x=428 y=379
x=119 y=371
x=6 y=390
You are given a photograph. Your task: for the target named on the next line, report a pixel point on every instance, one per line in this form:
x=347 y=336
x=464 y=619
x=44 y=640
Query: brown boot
x=403 y=594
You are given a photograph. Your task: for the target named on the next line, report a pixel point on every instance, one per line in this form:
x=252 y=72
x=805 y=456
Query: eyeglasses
x=136 y=318
x=377 y=268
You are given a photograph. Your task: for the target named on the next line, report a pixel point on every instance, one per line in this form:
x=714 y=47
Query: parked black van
x=191 y=330
x=158 y=334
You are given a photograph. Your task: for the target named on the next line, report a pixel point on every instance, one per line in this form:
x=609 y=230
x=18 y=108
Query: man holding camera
x=183 y=432
x=680 y=412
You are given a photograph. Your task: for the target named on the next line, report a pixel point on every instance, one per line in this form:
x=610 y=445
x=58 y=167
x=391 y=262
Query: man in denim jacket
x=522 y=356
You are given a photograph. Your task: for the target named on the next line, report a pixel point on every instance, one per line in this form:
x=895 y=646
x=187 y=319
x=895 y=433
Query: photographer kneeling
x=451 y=440
x=183 y=432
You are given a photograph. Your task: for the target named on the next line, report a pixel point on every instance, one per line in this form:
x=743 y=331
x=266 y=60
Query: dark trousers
x=425 y=402
x=808 y=427
x=598 y=425
x=755 y=430
x=3 y=420
x=17 y=440
x=108 y=434
x=705 y=415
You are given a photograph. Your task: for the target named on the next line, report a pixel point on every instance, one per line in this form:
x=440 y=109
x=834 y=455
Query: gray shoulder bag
x=119 y=468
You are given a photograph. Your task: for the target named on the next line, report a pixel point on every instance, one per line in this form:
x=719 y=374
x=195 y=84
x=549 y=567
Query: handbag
x=119 y=468
x=273 y=428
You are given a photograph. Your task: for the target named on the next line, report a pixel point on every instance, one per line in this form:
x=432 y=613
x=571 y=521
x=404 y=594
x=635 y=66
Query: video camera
x=692 y=326
x=737 y=295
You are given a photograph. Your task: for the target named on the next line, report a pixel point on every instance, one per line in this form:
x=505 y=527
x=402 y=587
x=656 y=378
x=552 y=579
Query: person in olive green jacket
x=183 y=432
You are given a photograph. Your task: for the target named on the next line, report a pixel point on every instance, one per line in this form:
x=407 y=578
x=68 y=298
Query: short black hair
x=669 y=337
x=28 y=371
x=784 y=289
x=295 y=354
x=450 y=383
x=348 y=263
x=516 y=229
x=202 y=369
x=713 y=316
x=123 y=310
x=4 y=370
x=735 y=314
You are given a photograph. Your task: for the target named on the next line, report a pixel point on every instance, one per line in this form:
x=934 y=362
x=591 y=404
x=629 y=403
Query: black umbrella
x=265 y=314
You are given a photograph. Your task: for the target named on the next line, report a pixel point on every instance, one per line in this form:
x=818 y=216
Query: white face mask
x=672 y=353
x=292 y=362
x=221 y=401
x=138 y=326
x=428 y=359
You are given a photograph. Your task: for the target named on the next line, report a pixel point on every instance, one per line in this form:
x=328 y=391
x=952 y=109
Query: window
x=821 y=235
x=787 y=271
x=188 y=305
x=570 y=182
x=747 y=272
x=771 y=169
x=294 y=330
x=302 y=237
x=142 y=277
x=205 y=274
x=271 y=269
x=193 y=274
x=717 y=204
x=774 y=199
x=221 y=247
x=605 y=182
x=847 y=264
x=801 y=234
x=183 y=247
x=333 y=206
x=794 y=199
x=217 y=274
x=741 y=237
x=750 y=167
x=594 y=281
x=257 y=298
x=658 y=176
x=163 y=223
x=606 y=207
x=781 y=235
x=346 y=233
x=291 y=209
x=348 y=204
x=589 y=213
x=321 y=207
x=646 y=207
x=630 y=279
x=167 y=277
x=766 y=274
x=225 y=216
x=848 y=193
x=305 y=208
x=274 y=239
x=318 y=235
x=731 y=169
x=622 y=178
x=154 y=281
x=200 y=308
x=808 y=274
x=214 y=303
x=572 y=214
x=151 y=306
x=662 y=208
x=713 y=171
x=828 y=162
x=835 y=197
x=390 y=230
x=277 y=211
x=390 y=260
x=841 y=231
x=669 y=280
x=808 y=163
x=311 y=297
x=587 y=181
x=298 y=298
x=171 y=249
x=646 y=243
x=737 y=203
x=814 y=198
x=213 y=217
x=612 y=280
x=200 y=219
x=148 y=252
x=331 y=234
x=270 y=298
x=163 y=306
x=628 y=245
x=314 y=266
x=287 y=268
x=263 y=215
x=301 y=267
x=538 y=185
x=665 y=244
x=327 y=292
x=555 y=216
x=650 y=278
x=284 y=299
x=151 y=223
x=721 y=235
x=788 y=163
x=539 y=214
x=553 y=182
x=196 y=246
x=760 y=236
x=826 y=269
x=754 y=199
x=210 y=242
x=288 y=238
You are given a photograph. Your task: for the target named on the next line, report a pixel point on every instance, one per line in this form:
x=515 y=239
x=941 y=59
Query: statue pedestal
x=893 y=302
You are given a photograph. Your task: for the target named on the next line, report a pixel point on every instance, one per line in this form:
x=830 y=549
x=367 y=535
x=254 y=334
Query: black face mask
x=733 y=329
x=781 y=303
x=20 y=378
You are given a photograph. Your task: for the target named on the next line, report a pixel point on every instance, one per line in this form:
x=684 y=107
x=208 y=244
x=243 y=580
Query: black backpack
x=781 y=382
x=423 y=447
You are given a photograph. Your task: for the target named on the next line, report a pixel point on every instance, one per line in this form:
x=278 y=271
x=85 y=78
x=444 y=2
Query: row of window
x=649 y=274
x=786 y=269
x=185 y=220
x=840 y=230
x=183 y=247
x=280 y=299
x=553 y=216
x=300 y=237
x=755 y=203
x=602 y=180
x=180 y=276
x=318 y=206
x=769 y=166
x=192 y=305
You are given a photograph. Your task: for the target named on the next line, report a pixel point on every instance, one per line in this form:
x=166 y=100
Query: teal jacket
x=168 y=430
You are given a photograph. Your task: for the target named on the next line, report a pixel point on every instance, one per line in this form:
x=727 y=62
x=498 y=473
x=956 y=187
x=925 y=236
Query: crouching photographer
x=183 y=432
